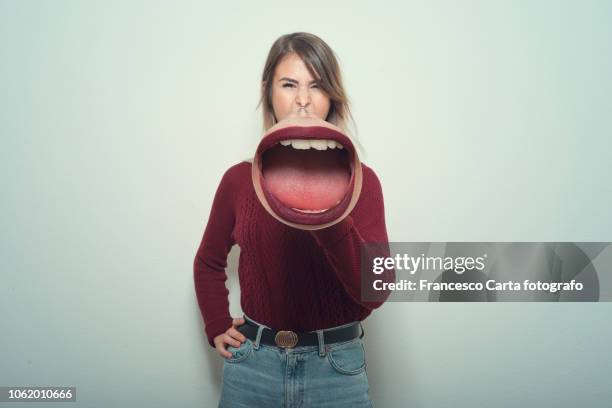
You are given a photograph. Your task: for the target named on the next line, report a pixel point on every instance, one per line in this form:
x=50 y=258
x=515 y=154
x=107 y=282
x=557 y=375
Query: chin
x=306 y=173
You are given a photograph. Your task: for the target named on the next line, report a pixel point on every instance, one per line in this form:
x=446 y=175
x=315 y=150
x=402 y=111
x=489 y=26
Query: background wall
x=485 y=121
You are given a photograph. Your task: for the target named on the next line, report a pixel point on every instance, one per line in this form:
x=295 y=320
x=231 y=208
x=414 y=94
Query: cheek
x=323 y=103
x=281 y=101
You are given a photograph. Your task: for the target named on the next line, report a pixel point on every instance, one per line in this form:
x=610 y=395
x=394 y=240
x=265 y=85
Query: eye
x=287 y=85
x=315 y=86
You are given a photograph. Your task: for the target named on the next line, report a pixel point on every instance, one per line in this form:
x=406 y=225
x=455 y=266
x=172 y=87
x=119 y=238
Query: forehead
x=291 y=65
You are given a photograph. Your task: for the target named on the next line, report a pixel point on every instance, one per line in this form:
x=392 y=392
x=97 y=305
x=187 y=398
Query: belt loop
x=321 y=343
x=258 y=337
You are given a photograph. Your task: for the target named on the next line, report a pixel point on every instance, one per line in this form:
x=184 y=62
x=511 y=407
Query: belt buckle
x=286 y=338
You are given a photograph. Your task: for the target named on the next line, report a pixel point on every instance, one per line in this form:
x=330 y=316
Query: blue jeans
x=263 y=376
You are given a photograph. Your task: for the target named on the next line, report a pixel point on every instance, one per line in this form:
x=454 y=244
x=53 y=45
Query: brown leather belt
x=290 y=339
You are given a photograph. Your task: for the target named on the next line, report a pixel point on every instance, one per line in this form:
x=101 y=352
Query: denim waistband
x=299 y=349
x=311 y=331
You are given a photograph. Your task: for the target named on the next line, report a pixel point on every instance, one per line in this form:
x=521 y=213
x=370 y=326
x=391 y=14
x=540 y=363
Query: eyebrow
x=294 y=81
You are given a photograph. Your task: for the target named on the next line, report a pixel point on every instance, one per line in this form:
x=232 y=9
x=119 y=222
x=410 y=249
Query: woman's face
x=296 y=92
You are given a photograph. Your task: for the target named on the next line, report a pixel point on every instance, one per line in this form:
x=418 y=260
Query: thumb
x=238 y=321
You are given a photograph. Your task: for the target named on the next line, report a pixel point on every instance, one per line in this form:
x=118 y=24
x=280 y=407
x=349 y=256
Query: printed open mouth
x=307 y=174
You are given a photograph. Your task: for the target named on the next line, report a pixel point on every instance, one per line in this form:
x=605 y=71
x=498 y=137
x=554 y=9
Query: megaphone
x=306 y=173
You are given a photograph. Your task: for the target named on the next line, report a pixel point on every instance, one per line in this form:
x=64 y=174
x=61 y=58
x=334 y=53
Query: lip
x=311 y=129
x=304 y=132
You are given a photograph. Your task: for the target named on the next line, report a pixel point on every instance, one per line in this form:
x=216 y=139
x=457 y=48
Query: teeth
x=309 y=211
x=314 y=211
x=318 y=144
x=300 y=144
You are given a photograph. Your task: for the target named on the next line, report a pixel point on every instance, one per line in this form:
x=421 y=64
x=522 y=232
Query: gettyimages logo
x=427 y=263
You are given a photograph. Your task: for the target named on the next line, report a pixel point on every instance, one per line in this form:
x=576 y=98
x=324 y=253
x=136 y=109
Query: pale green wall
x=486 y=121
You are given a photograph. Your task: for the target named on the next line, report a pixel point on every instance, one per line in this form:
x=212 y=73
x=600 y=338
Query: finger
x=238 y=321
x=237 y=335
x=224 y=352
x=230 y=340
x=220 y=347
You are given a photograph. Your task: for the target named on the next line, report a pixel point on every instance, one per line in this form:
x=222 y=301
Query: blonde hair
x=321 y=62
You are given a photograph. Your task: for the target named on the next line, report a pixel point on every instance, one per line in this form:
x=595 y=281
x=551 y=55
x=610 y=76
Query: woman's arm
x=211 y=260
x=342 y=242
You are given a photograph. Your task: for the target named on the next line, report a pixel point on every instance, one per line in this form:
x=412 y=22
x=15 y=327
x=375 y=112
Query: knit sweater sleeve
x=211 y=260
x=343 y=242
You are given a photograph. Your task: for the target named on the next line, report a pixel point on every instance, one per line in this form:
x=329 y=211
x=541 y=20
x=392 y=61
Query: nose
x=303 y=96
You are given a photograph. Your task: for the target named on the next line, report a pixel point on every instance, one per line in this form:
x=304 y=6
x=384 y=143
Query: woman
x=300 y=341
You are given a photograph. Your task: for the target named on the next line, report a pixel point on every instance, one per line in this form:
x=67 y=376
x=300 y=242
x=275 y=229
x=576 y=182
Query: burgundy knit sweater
x=290 y=279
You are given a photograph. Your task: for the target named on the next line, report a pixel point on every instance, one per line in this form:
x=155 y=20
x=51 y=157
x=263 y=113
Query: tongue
x=306 y=179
